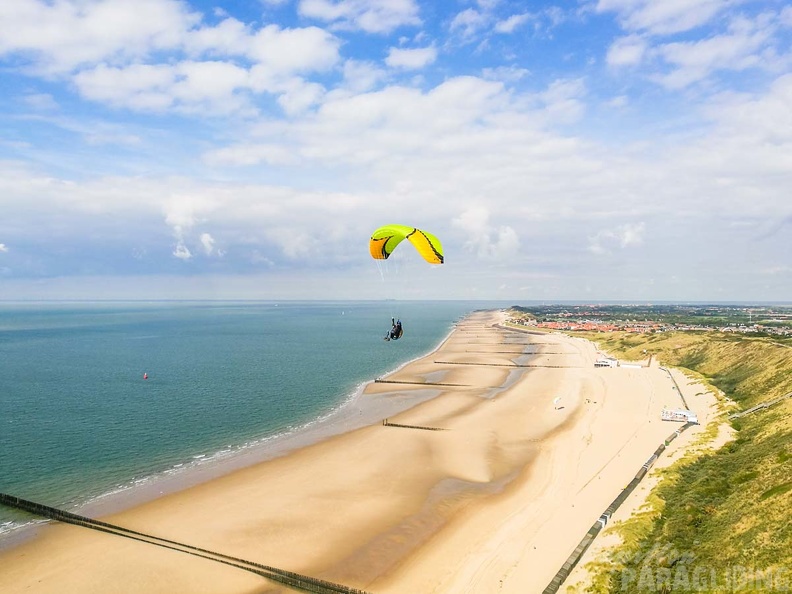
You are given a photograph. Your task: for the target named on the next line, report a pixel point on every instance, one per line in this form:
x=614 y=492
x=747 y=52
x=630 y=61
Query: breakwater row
x=507 y=365
x=289 y=578
x=387 y=423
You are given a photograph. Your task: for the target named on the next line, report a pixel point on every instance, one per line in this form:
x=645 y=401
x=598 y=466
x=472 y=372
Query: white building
x=677 y=414
x=606 y=362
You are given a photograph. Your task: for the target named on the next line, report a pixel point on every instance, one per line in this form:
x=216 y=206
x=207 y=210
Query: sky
x=636 y=150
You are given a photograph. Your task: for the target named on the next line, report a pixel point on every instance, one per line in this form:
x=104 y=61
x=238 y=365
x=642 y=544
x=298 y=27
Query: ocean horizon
x=113 y=401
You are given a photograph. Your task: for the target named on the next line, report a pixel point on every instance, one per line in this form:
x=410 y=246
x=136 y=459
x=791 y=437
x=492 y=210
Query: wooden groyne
x=289 y=578
x=508 y=364
x=507 y=341
x=431 y=384
x=576 y=555
x=522 y=352
x=521 y=331
x=387 y=423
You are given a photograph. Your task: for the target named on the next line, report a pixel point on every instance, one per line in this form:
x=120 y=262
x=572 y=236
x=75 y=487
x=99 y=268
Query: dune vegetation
x=717 y=521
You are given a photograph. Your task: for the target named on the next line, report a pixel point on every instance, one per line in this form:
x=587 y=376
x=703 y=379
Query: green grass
x=727 y=508
x=777 y=490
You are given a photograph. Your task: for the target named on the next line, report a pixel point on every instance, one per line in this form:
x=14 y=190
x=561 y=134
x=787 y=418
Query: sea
x=111 y=403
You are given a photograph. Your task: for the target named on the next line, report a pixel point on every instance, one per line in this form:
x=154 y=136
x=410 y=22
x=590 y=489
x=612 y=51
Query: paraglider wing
x=385 y=239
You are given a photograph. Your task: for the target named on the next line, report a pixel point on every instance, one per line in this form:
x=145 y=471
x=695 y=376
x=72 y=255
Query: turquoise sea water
x=78 y=421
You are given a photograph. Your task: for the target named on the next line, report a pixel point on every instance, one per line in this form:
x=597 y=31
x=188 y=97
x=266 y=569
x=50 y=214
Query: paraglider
x=396 y=330
x=385 y=239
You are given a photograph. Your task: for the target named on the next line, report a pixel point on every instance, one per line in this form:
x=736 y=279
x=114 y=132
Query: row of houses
x=648 y=326
x=593 y=325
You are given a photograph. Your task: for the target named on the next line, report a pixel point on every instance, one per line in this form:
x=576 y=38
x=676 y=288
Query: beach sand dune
x=494 y=500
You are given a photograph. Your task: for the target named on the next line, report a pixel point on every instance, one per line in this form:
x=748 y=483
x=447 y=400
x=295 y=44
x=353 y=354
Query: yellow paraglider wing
x=385 y=239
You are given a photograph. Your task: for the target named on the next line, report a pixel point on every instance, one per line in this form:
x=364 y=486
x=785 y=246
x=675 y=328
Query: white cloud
x=58 y=37
x=185 y=85
x=506 y=73
x=488 y=4
x=207 y=81
x=140 y=86
x=362 y=76
x=372 y=16
x=229 y=37
x=411 y=59
x=734 y=43
x=251 y=154
x=563 y=100
x=472 y=23
x=182 y=213
x=785 y=17
x=334 y=142
x=763 y=117
x=631 y=234
x=510 y=24
x=209 y=86
x=483 y=239
x=618 y=102
x=297 y=95
x=3 y=247
x=469 y=22
x=625 y=236
x=94 y=132
x=397 y=121
x=132 y=55
x=736 y=50
x=181 y=251
x=41 y=101
x=774 y=270
x=208 y=243
x=748 y=153
x=626 y=51
x=287 y=51
x=664 y=17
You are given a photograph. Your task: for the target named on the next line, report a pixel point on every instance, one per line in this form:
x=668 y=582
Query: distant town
x=763 y=320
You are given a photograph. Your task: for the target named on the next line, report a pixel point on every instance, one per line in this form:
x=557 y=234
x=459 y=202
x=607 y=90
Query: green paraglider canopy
x=385 y=239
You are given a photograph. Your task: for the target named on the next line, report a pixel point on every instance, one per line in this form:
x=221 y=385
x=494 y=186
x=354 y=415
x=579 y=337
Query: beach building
x=606 y=362
x=680 y=415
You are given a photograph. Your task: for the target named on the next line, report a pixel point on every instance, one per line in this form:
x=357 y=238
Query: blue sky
x=594 y=150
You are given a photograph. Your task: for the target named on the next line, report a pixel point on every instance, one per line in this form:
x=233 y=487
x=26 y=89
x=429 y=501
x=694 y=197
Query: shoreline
x=495 y=502
x=352 y=412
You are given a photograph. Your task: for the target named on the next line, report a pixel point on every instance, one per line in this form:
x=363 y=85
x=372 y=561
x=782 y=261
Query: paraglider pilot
x=395 y=331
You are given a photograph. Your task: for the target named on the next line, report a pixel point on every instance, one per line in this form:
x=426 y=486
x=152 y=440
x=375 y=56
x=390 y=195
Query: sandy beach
x=493 y=500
